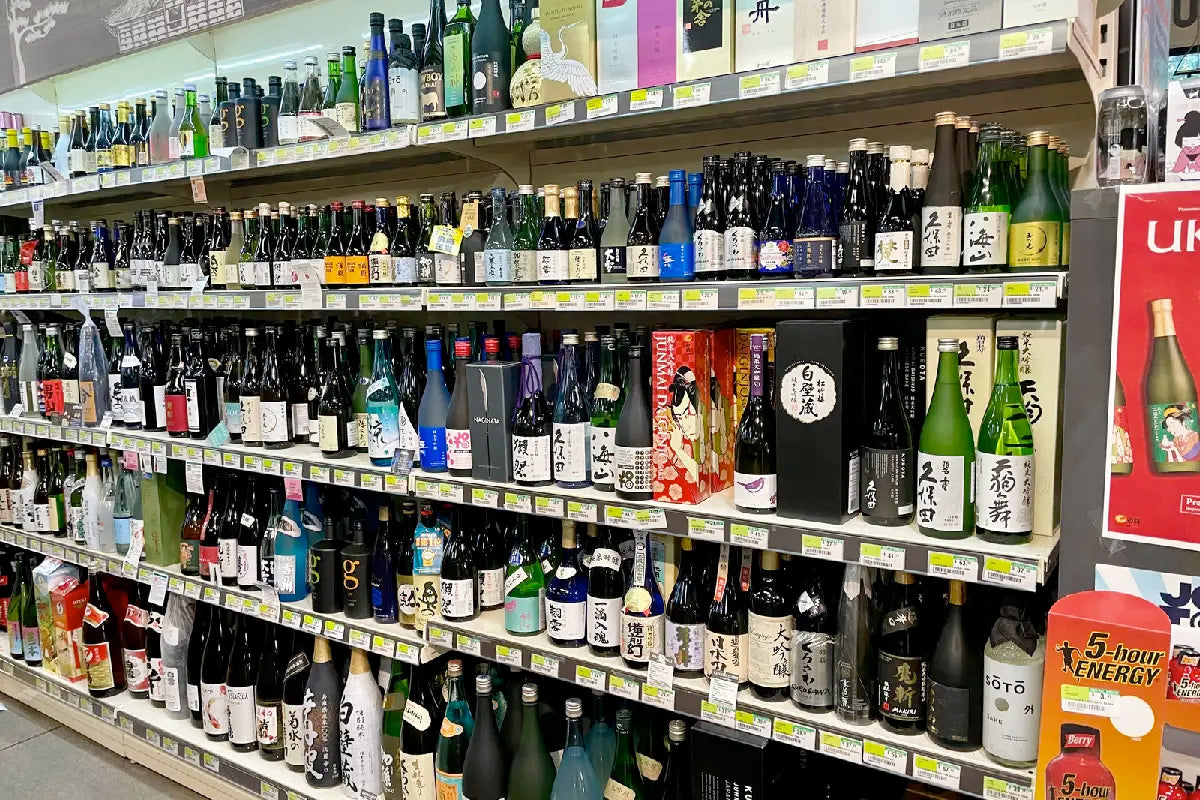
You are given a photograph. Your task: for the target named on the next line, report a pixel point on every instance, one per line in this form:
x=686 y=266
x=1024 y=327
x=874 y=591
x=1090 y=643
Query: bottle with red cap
x=1170 y=784
x=1078 y=770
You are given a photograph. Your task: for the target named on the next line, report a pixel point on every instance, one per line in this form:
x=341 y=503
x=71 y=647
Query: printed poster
x=1153 y=488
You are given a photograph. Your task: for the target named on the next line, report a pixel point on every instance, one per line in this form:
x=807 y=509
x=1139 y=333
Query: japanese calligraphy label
x=1005 y=502
x=941 y=491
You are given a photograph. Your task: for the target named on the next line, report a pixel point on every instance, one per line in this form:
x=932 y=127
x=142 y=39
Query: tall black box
x=819 y=417
x=729 y=764
x=492 y=392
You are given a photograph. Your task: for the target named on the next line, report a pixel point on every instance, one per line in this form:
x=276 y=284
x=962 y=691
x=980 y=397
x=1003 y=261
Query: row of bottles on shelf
x=600 y=412
x=376 y=727
x=990 y=204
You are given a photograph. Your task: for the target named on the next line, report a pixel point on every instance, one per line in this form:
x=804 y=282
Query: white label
x=641 y=261
x=285 y=574
x=458 y=448
x=247 y=563
x=604 y=617
x=685 y=646
x=293 y=740
x=1012 y=708
x=635 y=469
x=770 y=650
x=570 y=451
x=710 y=251
x=491 y=587
x=726 y=653
x=753 y=491
x=940 y=491
x=1005 y=501
x=566 y=621
x=985 y=238
x=193 y=697
x=893 y=251
x=227 y=557
x=268 y=724
x=416 y=716
x=641 y=636
x=251 y=419
x=941 y=236
x=741 y=246
x=274 y=416
x=214 y=710
x=808 y=392
x=552 y=266
x=603 y=557
x=603 y=453
x=531 y=458
x=170 y=688
x=458 y=598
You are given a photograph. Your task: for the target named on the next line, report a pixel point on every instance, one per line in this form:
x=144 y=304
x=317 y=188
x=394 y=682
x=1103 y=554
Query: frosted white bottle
x=361 y=730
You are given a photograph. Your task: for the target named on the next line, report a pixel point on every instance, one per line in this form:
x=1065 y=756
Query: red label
x=99 y=661
x=94 y=616
x=137 y=616
x=4 y=611
x=52 y=396
x=177 y=413
x=209 y=559
x=1080 y=740
x=27 y=249
x=22 y=280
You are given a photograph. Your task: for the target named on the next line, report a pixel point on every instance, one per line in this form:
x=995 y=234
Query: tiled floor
x=42 y=760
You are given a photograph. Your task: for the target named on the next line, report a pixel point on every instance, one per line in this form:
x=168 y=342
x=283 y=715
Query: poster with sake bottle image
x=1153 y=486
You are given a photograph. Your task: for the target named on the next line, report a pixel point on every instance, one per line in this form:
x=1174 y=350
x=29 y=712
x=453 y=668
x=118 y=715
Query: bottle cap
x=963 y=122
x=574 y=708
x=858 y=145
x=888 y=343
x=900 y=152
x=843 y=168
x=874 y=147
x=525 y=188
x=945 y=118
x=624 y=718
x=677 y=730
x=454 y=669
x=948 y=345
x=570 y=338
x=462 y=347
x=529 y=693
x=379 y=334
x=483 y=683
x=1037 y=138
x=920 y=156
x=642 y=177
x=491 y=344
x=1006 y=342
x=815 y=161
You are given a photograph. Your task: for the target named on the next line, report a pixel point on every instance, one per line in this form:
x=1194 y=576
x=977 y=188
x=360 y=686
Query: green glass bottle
x=1171 y=397
x=193 y=130
x=525 y=239
x=1004 y=457
x=525 y=585
x=333 y=82
x=362 y=385
x=346 y=107
x=606 y=410
x=457 y=727
x=946 y=456
x=1035 y=235
x=985 y=222
x=625 y=771
x=1062 y=187
x=456 y=66
x=531 y=776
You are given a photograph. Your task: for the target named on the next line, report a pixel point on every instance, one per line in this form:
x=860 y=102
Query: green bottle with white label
x=946 y=456
x=1004 y=457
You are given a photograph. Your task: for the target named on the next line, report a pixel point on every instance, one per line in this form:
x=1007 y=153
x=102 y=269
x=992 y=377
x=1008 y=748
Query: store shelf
x=393 y=641
x=1021 y=567
x=915 y=756
x=974 y=291
x=1020 y=58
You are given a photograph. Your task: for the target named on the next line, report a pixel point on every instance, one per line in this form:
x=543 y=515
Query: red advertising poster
x=1154 y=443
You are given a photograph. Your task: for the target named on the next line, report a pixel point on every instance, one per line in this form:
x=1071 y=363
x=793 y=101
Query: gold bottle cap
x=1037 y=138
x=963 y=122
x=974 y=127
x=1052 y=142
x=571 y=191
x=401 y=199
x=945 y=118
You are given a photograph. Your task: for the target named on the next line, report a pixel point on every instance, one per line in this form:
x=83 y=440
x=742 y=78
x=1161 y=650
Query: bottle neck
x=1164 y=323
x=574 y=732
x=948 y=368
x=1006 y=367
x=756 y=372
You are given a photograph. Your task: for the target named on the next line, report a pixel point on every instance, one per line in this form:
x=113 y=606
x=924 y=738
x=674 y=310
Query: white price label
x=488 y=498
x=748 y=535
x=884 y=756
x=763 y=84
x=879 y=295
x=658 y=697
x=937 y=772
x=712 y=530
x=798 y=76
x=1000 y=789
x=544 y=664
x=508 y=655
x=749 y=722
x=978 y=295
x=830 y=548
x=930 y=295
x=883 y=556
x=1021 y=44
x=624 y=687
x=694 y=94
x=561 y=112
x=519 y=502
x=795 y=734
x=700 y=300
x=597 y=107
x=580 y=511
x=846 y=748
x=872 y=67
x=944 y=56
x=645 y=99
x=837 y=297
x=548 y=506
x=515 y=121
x=467 y=644
x=1004 y=572
x=954 y=565
x=478 y=127
x=591 y=678
x=1030 y=294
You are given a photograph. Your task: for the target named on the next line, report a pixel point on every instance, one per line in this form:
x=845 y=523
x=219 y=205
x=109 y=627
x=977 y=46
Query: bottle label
x=531 y=458
x=498 y=266
x=566 y=620
x=741 y=249
x=710 y=251
x=247 y=562
x=604 y=615
x=214 y=710
x=855 y=247
x=445 y=270
x=1175 y=432
x=887 y=483
x=943 y=484
x=684 y=644
x=1034 y=244
x=433 y=97
x=251 y=419
x=417 y=779
x=635 y=469
x=570 y=451
x=603 y=452
x=32 y=641
x=404 y=268
x=458 y=448
x=641 y=636
x=293 y=742
x=357 y=270
x=191 y=406
x=157 y=690
x=774 y=257
x=233 y=417
x=985 y=238
x=901 y=682
x=581 y=265
x=893 y=251
x=770 y=640
x=458 y=598
x=814 y=255
x=328 y=433
x=949 y=715
x=404 y=95
x=99 y=666
x=1012 y=708
x=380 y=265
x=726 y=653
x=525 y=614
x=812 y=669
x=525 y=266
x=433 y=448
x=268 y=724
x=300 y=424
x=641 y=261
x=228 y=559
x=131 y=406
x=382 y=429
x=335 y=270
x=552 y=266
x=41 y=517
x=941 y=236
x=677 y=261
x=613 y=260
x=491 y=587
x=754 y=491
x=274 y=417
x=186 y=147
x=242 y=726
x=1005 y=502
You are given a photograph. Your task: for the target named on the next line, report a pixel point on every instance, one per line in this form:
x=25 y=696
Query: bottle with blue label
x=435 y=403
x=428 y=542
x=676 y=250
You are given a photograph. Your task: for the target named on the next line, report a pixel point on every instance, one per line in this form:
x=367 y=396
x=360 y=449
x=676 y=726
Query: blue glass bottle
x=376 y=105
x=812 y=249
x=431 y=416
x=532 y=420
x=643 y=613
x=676 y=250
x=775 y=238
x=566 y=595
x=601 y=740
x=571 y=445
x=575 y=779
x=695 y=182
x=384 y=567
x=291 y=553
x=795 y=193
x=312 y=516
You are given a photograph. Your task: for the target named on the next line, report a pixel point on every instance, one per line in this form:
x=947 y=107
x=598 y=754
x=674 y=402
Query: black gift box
x=492 y=392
